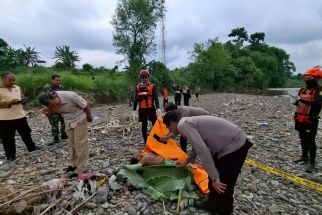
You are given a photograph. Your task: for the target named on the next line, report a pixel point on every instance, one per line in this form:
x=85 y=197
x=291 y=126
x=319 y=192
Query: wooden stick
x=32 y=195
x=69 y=201
x=164 y=210
x=11 y=194
x=113 y=126
x=51 y=206
x=179 y=201
x=75 y=210
x=130 y=135
x=19 y=196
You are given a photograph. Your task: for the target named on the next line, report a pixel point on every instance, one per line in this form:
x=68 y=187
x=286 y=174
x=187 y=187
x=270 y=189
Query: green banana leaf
x=161 y=181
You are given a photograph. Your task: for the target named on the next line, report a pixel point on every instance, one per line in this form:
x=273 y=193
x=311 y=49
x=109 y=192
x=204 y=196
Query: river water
x=282 y=91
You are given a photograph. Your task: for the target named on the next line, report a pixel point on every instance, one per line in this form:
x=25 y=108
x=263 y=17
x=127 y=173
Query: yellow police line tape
x=304 y=182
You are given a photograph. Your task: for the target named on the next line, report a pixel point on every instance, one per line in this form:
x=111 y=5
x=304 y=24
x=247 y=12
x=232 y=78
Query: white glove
x=159 y=112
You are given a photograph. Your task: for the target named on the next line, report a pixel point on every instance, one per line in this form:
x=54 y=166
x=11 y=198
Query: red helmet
x=316 y=72
x=144 y=72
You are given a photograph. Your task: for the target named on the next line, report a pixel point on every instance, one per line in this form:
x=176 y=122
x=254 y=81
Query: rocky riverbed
x=114 y=138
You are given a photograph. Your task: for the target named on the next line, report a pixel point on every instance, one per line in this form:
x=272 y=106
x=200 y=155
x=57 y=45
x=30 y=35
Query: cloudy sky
x=84 y=25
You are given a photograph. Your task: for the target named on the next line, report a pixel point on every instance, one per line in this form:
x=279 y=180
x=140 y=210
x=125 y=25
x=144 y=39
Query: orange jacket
x=170 y=150
x=145 y=95
x=306 y=111
x=165 y=93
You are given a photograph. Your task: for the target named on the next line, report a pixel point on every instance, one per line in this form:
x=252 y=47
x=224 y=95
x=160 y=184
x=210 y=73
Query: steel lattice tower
x=163 y=45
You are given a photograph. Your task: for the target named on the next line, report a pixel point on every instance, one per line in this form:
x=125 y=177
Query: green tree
x=159 y=74
x=65 y=57
x=248 y=75
x=240 y=33
x=257 y=38
x=87 y=67
x=269 y=66
x=135 y=23
x=27 y=57
x=3 y=46
x=212 y=61
x=8 y=59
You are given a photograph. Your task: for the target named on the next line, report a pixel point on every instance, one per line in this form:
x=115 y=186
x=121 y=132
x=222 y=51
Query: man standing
x=183 y=111
x=12 y=117
x=147 y=97
x=56 y=117
x=177 y=94
x=222 y=148
x=130 y=95
x=186 y=95
x=308 y=107
x=76 y=113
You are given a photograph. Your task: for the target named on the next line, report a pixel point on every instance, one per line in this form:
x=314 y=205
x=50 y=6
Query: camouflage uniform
x=56 y=118
x=130 y=95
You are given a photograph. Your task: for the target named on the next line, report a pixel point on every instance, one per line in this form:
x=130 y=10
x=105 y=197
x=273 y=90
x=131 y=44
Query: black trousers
x=308 y=144
x=146 y=115
x=177 y=99
x=183 y=144
x=185 y=101
x=8 y=130
x=165 y=102
x=229 y=167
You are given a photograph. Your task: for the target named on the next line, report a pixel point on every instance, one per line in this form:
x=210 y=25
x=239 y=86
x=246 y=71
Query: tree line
x=11 y=58
x=244 y=61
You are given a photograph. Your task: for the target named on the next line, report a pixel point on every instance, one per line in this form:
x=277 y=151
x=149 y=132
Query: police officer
x=308 y=107
x=146 y=95
x=56 y=118
x=222 y=148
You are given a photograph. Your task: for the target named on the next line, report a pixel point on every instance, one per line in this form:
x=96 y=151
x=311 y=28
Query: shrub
x=110 y=88
x=32 y=84
x=76 y=83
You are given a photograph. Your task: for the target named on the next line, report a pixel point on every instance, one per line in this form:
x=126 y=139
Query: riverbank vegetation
x=244 y=62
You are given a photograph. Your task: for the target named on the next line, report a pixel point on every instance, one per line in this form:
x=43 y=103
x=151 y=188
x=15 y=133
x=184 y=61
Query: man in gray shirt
x=77 y=114
x=183 y=111
x=222 y=148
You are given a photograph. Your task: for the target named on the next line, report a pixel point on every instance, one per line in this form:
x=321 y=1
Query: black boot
x=310 y=169
x=64 y=136
x=56 y=140
x=203 y=205
x=70 y=169
x=301 y=159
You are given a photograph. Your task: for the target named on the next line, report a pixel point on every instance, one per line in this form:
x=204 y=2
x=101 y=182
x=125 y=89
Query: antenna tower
x=163 y=45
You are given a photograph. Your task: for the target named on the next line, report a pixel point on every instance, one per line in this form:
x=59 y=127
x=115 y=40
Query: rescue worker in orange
x=146 y=95
x=308 y=106
x=165 y=95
